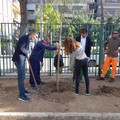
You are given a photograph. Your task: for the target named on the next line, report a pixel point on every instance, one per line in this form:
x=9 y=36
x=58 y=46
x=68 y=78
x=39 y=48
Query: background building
x=9 y=14
x=67 y=7
x=6 y=11
x=16 y=11
x=94 y=7
x=111 y=7
x=9 y=11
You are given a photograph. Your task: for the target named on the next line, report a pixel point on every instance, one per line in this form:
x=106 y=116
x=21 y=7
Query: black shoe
x=111 y=80
x=100 y=78
x=34 y=87
x=75 y=93
x=87 y=94
x=42 y=82
x=23 y=98
x=27 y=92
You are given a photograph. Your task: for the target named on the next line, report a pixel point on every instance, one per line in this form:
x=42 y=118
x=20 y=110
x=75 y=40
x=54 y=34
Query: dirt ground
x=104 y=96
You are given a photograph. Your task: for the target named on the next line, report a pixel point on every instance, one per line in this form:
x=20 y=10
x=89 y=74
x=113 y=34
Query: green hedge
x=49 y=54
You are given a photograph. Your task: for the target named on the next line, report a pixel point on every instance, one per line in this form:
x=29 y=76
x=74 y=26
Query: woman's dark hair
x=70 y=45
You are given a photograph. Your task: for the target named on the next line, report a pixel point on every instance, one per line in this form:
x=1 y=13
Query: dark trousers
x=36 y=70
x=81 y=65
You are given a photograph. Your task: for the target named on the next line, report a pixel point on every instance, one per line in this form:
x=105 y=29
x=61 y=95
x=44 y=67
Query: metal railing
x=10 y=33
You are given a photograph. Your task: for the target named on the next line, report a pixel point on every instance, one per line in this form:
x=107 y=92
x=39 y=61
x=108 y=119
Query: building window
x=63 y=8
x=111 y=10
x=111 y=1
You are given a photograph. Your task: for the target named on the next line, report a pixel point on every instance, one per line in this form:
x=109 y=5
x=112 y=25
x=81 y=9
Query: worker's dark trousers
x=36 y=70
x=81 y=65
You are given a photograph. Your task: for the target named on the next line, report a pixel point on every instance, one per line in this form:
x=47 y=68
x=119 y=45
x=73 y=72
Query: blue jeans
x=21 y=76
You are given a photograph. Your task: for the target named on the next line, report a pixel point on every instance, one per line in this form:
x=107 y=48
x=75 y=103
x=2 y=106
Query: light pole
x=101 y=59
x=102 y=16
x=41 y=19
x=95 y=9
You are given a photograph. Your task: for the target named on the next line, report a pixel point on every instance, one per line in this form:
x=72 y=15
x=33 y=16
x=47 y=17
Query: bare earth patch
x=105 y=96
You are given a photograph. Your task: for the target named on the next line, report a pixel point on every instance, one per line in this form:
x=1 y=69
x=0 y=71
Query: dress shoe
x=42 y=82
x=34 y=88
x=87 y=94
x=27 y=93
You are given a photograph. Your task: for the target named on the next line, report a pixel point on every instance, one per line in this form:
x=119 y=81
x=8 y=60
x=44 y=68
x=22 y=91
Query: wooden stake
x=58 y=69
x=58 y=64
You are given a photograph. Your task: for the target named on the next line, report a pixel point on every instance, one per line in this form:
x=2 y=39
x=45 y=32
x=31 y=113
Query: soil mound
x=108 y=90
x=50 y=93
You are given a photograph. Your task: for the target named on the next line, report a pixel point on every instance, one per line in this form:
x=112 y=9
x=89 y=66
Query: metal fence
x=10 y=33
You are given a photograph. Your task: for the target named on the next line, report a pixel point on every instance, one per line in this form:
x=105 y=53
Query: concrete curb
x=27 y=76
x=58 y=116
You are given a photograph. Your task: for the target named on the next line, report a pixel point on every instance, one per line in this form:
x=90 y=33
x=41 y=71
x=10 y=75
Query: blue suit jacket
x=21 y=49
x=39 y=50
x=87 y=46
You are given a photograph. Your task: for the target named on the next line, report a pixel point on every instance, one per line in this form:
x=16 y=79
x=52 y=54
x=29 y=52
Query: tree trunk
x=23 y=10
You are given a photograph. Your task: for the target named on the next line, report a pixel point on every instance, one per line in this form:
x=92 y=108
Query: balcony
x=16 y=6
x=31 y=17
x=17 y=17
x=111 y=11
x=111 y=5
x=112 y=1
x=35 y=1
x=31 y=7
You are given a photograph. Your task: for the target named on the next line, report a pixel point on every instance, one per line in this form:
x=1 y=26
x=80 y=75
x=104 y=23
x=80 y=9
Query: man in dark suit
x=19 y=57
x=36 y=58
x=85 y=42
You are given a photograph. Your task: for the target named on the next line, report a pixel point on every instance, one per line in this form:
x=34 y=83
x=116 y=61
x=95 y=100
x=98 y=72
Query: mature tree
x=23 y=10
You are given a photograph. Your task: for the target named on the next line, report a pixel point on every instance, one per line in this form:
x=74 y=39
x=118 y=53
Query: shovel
x=38 y=90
